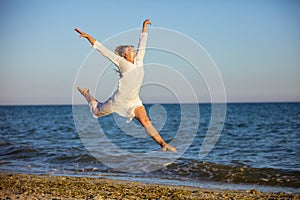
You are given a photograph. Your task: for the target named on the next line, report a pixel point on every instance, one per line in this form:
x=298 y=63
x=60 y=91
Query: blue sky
x=255 y=44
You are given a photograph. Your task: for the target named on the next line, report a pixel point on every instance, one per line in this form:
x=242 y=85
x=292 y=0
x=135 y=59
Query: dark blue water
x=259 y=145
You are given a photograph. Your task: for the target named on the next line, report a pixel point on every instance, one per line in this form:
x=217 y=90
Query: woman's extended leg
x=141 y=116
x=98 y=109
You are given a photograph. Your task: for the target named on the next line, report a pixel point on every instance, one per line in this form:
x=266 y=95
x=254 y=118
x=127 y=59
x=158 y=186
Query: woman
x=125 y=101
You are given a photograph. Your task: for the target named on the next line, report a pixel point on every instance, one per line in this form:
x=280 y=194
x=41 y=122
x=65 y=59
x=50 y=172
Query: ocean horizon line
x=166 y=103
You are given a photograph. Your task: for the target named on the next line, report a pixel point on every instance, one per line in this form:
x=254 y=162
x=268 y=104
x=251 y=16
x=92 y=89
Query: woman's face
x=129 y=53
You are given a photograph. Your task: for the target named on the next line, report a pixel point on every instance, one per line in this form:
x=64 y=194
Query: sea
x=253 y=146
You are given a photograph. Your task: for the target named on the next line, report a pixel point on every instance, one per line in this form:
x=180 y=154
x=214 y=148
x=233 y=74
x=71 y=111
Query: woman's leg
x=98 y=109
x=141 y=116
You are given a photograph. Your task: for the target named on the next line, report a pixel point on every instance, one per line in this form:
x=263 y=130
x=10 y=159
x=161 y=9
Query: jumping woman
x=125 y=100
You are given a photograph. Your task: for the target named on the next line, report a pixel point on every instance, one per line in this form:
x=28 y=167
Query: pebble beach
x=24 y=186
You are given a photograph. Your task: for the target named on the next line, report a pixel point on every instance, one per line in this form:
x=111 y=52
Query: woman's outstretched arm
x=87 y=36
x=102 y=49
x=142 y=42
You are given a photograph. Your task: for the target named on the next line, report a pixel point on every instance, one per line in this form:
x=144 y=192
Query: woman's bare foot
x=83 y=91
x=168 y=147
x=86 y=93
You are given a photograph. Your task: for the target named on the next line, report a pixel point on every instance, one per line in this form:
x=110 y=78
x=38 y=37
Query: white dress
x=126 y=97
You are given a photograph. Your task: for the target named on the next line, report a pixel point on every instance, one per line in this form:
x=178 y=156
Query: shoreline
x=25 y=186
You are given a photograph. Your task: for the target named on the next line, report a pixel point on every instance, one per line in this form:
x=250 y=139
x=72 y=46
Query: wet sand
x=23 y=186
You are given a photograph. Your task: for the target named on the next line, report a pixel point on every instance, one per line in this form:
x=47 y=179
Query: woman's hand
x=82 y=34
x=146 y=22
x=85 y=35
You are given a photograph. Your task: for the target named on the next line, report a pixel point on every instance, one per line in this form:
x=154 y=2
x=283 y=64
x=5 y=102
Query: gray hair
x=121 y=50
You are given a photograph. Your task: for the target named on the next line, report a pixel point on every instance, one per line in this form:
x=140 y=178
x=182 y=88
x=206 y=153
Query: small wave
x=70 y=158
x=5 y=143
x=232 y=174
x=167 y=164
x=21 y=152
x=83 y=158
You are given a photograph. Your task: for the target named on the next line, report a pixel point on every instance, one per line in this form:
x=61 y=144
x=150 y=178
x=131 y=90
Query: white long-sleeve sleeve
x=141 y=48
x=107 y=53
